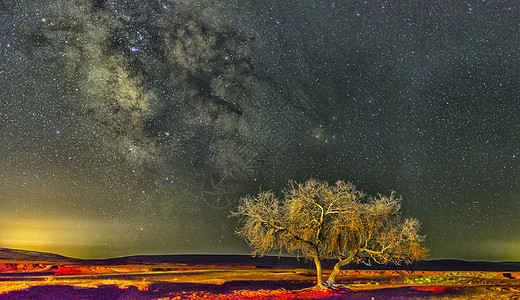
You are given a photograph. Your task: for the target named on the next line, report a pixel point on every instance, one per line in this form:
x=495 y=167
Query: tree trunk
x=319 y=276
x=337 y=269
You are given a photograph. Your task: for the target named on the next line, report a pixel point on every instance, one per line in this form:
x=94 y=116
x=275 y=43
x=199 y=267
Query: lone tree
x=321 y=221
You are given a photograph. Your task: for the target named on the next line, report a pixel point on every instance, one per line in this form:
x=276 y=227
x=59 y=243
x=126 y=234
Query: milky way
x=155 y=117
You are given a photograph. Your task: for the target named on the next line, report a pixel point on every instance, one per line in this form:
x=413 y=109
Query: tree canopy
x=322 y=221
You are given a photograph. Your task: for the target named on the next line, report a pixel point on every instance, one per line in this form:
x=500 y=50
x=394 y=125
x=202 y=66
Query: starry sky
x=133 y=127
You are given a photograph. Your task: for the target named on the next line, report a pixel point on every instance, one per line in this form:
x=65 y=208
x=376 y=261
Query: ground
x=160 y=280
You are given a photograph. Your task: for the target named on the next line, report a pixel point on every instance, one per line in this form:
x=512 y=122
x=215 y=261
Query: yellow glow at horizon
x=502 y=251
x=65 y=237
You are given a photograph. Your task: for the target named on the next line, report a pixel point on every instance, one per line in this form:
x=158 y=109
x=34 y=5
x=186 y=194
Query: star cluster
x=155 y=117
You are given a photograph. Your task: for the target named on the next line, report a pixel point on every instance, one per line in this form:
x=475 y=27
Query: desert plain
x=37 y=275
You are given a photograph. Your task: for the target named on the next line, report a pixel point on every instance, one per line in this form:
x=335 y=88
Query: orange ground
x=179 y=281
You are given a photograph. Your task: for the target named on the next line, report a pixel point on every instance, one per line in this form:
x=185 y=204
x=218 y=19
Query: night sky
x=133 y=127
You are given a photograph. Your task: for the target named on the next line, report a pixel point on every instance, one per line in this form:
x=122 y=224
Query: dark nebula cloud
x=155 y=117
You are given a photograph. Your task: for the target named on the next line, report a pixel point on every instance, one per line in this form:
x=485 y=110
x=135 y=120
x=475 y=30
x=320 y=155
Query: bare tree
x=321 y=221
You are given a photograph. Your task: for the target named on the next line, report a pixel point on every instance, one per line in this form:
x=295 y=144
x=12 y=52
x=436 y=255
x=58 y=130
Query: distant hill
x=12 y=256
x=293 y=262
